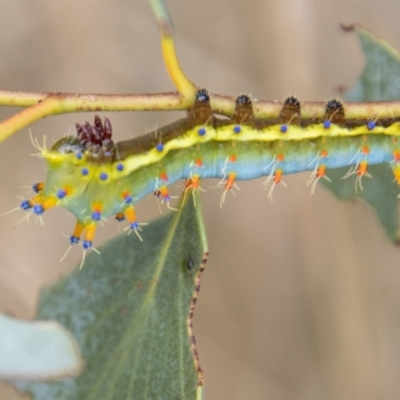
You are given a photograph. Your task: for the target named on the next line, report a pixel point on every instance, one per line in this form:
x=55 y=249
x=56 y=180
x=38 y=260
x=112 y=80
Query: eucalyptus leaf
x=380 y=80
x=129 y=311
x=38 y=350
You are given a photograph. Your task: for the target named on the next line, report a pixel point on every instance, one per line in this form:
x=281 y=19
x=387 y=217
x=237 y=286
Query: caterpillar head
x=94 y=141
x=79 y=166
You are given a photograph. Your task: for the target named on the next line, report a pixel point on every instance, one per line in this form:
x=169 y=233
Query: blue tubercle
x=160 y=147
x=371 y=125
x=284 y=128
x=87 y=244
x=134 y=225
x=120 y=167
x=103 y=176
x=84 y=171
x=25 y=205
x=201 y=131
x=61 y=193
x=237 y=129
x=128 y=199
x=74 y=240
x=38 y=209
x=96 y=215
x=327 y=124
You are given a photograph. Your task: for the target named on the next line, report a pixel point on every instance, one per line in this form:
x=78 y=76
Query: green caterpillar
x=95 y=178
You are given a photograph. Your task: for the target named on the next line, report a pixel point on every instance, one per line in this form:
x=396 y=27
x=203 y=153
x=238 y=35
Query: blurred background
x=300 y=298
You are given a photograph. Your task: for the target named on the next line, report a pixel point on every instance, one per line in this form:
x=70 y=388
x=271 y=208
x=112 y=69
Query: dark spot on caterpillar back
x=243 y=113
x=243 y=99
x=292 y=103
x=201 y=113
x=290 y=112
x=334 y=112
x=202 y=96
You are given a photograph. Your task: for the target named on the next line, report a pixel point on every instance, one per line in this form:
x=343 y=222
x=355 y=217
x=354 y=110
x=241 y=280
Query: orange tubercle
x=230 y=181
x=362 y=168
x=163 y=176
x=278 y=176
x=232 y=158
x=193 y=182
x=323 y=153
x=49 y=202
x=130 y=214
x=396 y=155
x=321 y=171
x=396 y=172
x=164 y=192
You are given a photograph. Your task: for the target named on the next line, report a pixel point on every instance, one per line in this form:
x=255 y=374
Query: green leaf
x=39 y=350
x=380 y=80
x=129 y=310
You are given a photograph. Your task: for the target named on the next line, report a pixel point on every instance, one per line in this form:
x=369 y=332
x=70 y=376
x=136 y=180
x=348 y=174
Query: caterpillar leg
x=38 y=205
x=360 y=169
x=193 y=183
x=274 y=177
x=229 y=185
x=162 y=191
x=75 y=238
x=134 y=225
x=316 y=175
x=87 y=243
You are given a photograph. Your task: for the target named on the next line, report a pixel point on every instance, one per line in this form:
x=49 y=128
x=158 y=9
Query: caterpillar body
x=95 y=178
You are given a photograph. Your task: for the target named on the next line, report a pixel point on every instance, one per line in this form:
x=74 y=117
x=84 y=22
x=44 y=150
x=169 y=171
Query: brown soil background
x=301 y=297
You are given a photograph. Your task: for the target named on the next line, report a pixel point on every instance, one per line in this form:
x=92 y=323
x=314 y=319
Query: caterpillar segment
x=94 y=177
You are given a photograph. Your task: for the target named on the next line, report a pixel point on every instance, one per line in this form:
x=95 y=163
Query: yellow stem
x=184 y=86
